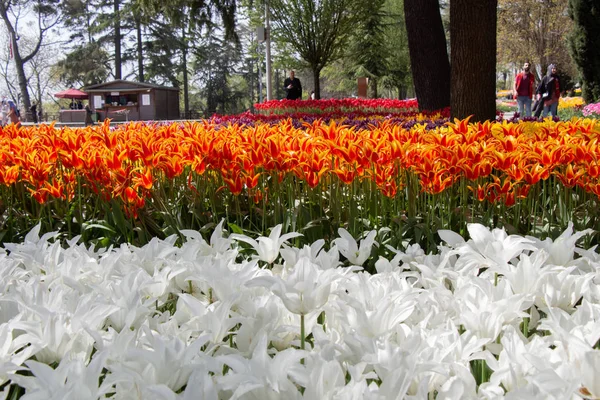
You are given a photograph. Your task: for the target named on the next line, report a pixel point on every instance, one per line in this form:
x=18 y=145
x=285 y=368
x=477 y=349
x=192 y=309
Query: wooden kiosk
x=133 y=101
x=73 y=114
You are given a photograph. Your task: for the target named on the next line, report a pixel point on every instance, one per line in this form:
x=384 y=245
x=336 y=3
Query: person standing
x=4 y=112
x=34 y=113
x=13 y=113
x=549 y=91
x=88 y=115
x=523 y=90
x=293 y=87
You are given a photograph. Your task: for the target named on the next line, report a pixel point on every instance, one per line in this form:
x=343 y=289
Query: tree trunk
x=277 y=85
x=401 y=92
x=186 y=97
x=39 y=109
x=428 y=56
x=251 y=86
x=316 y=76
x=140 y=54
x=19 y=63
x=184 y=54
x=117 y=17
x=373 y=85
x=473 y=53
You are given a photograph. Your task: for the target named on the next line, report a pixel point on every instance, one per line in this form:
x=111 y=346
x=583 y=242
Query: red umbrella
x=71 y=94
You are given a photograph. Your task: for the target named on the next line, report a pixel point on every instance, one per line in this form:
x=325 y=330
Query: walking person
x=523 y=90
x=293 y=87
x=548 y=92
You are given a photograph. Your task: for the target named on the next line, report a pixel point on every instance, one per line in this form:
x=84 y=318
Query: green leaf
x=235 y=229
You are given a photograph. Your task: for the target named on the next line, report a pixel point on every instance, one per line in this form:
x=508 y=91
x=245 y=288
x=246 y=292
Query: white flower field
x=493 y=317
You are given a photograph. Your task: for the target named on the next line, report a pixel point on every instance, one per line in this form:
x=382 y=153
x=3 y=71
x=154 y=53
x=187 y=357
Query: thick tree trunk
x=117 y=42
x=20 y=67
x=316 y=77
x=140 y=53
x=473 y=53
x=428 y=56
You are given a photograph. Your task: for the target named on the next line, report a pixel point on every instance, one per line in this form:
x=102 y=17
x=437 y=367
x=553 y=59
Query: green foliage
x=224 y=93
x=370 y=51
x=585 y=45
x=378 y=50
x=87 y=64
x=316 y=30
x=567 y=113
x=200 y=202
x=197 y=13
x=161 y=50
x=398 y=75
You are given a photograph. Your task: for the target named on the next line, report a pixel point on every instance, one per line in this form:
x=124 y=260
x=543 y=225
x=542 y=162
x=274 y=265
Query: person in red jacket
x=523 y=90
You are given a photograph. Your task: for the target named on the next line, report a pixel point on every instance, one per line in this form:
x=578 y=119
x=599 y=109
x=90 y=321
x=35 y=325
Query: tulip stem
x=484 y=377
x=302 y=340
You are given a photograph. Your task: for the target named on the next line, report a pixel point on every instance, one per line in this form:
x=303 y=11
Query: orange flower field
x=461 y=169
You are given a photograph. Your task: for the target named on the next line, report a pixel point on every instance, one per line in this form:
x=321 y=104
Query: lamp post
x=268 y=50
x=260 y=98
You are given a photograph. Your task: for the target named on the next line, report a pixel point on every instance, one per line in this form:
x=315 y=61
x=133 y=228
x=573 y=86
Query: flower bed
x=492 y=316
x=571 y=102
x=592 y=110
x=357 y=119
x=138 y=181
x=347 y=105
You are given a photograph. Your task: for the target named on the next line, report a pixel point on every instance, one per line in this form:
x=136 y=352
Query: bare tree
x=42 y=77
x=535 y=31
x=12 y=14
x=316 y=30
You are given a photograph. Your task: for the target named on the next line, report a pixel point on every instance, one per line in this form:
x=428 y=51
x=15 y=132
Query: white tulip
x=304 y=290
x=71 y=380
x=349 y=248
x=261 y=377
x=267 y=248
x=589 y=374
x=561 y=250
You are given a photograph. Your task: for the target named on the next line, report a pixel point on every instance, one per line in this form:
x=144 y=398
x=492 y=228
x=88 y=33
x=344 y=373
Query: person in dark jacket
x=293 y=87
x=88 y=115
x=548 y=92
x=34 y=113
